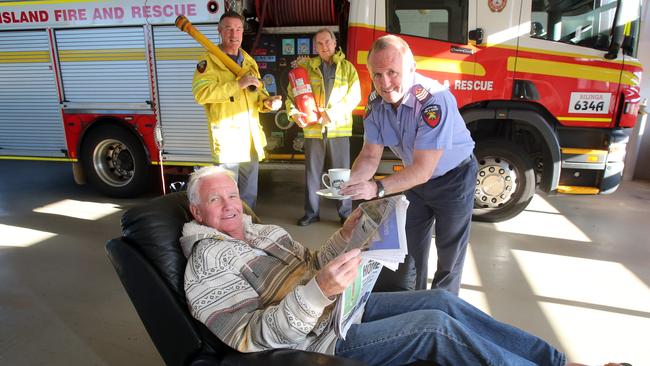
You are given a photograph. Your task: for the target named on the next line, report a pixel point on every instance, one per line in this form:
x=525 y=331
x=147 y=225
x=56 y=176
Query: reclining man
x=258 y=289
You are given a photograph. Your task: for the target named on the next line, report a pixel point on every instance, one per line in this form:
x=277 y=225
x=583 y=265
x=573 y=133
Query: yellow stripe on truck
x=367 y=26
x=178 y=53
x=627 y=61
x=576 y=151
x=125 y=54
x=585 y=119
x=569 y=70
x=437 y=64
x=24 y=56
x=37 y=158
x=182 y=163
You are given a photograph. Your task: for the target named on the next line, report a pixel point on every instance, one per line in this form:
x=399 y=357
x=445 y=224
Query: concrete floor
x=572 y=270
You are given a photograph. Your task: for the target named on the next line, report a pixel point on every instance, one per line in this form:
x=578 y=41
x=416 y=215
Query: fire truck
x=546 y=87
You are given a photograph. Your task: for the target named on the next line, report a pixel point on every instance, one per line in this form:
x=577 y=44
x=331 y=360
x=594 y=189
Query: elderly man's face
x=220 y=206
x=391 y=75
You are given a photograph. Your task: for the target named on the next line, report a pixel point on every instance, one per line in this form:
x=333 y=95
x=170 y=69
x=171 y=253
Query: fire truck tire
x=505 y=182
x=115 y=162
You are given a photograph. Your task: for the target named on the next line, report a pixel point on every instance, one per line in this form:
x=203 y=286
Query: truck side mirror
x=617 y=34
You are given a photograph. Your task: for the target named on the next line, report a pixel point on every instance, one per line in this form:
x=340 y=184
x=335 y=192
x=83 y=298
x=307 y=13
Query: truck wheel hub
x=496 y=182
x=113 y=162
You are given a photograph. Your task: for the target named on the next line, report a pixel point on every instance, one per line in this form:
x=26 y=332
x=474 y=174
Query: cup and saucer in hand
x=333 y=180
x=327 y=193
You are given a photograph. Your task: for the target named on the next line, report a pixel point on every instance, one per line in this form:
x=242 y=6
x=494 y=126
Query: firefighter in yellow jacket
x=232 y=109
x=335 y=84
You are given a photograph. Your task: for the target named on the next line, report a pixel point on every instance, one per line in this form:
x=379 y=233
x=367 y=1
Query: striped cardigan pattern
x=260 y=293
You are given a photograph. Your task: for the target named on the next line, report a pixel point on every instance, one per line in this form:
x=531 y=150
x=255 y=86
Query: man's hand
x=273 y=103
x=299 y=117
x=300 y=61
x=339 y=273
x=324 y=118
x=350 y=224
x=359 y=190
x=248 y=80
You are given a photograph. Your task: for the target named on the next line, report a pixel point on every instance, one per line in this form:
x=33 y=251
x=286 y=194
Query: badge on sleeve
x=200 y=67
x=366 y=112
x=431 y=115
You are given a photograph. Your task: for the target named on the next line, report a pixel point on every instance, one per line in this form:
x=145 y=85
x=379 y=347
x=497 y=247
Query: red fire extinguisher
x=303 y=96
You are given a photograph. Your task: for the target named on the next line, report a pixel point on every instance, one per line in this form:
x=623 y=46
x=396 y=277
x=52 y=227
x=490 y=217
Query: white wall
x=642 y=169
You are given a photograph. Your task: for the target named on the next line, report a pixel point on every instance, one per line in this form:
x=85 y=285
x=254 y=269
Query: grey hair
x=195 y=179
x=324 y=30
x=390 y=40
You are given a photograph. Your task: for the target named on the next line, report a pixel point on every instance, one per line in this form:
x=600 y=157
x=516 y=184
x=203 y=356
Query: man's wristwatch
x=381 y=192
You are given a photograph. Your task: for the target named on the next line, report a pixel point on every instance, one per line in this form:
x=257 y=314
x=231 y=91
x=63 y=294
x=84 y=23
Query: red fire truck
x=547 y=87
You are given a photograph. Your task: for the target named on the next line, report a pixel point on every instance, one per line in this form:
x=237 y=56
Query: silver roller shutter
x=30 y=113
x=183 y=121
x=104 y=65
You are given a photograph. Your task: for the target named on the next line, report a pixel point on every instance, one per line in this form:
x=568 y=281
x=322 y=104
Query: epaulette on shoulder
x=421 y=93
x=372 y=97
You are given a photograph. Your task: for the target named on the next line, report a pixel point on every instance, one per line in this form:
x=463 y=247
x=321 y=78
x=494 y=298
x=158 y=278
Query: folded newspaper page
x=381 y=236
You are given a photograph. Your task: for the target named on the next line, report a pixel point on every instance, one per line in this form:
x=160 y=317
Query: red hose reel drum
x=303 y=97
x=284 y=13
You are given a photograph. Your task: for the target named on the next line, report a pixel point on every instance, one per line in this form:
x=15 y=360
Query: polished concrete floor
x=572 y=270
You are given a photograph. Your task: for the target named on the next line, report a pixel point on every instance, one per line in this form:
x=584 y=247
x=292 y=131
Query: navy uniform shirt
x=427 y=119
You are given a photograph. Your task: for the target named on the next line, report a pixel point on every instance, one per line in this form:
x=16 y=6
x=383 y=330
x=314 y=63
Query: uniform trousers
x=246 y=175
x=447 y=201
x=320 y=155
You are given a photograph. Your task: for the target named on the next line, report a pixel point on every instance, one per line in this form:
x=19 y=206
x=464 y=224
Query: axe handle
x=186 y=26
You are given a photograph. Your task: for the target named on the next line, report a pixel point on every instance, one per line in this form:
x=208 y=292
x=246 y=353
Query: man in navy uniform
x=418 y=119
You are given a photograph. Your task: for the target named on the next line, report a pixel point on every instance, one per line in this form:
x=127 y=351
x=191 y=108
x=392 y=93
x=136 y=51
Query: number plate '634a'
x=593 y=103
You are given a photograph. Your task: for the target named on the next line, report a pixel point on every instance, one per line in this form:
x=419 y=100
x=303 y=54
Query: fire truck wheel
x=505 y=182
x=115 y=162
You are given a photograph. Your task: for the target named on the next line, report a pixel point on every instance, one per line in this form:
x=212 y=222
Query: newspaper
x=381 y=236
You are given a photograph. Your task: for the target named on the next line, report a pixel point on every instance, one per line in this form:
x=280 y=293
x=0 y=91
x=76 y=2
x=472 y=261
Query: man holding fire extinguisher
x=335 y=86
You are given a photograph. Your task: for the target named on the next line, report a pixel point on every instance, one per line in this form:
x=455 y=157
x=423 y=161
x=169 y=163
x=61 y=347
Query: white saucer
x=328 y=194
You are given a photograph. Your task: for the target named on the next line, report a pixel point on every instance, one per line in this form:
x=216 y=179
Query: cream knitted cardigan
x=259 y=293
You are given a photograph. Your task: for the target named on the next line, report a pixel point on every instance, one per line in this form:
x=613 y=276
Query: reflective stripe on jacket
x=345 y=96
x=232 y=112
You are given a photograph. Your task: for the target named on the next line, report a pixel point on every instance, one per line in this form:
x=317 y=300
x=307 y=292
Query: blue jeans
x=434 y=325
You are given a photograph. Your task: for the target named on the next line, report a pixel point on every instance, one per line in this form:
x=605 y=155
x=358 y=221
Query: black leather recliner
x=150 y=264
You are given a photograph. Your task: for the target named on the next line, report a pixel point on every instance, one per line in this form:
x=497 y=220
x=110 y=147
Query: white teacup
x=335 y=177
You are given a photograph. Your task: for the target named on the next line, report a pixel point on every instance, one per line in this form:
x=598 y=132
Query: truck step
x=577 y=190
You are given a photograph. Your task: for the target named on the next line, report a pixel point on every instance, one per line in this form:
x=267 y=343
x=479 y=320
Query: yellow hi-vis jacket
x=232 y=112
x=345 y=96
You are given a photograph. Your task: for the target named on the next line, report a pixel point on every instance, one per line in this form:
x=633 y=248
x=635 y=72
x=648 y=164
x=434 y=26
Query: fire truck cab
x=546 y=87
